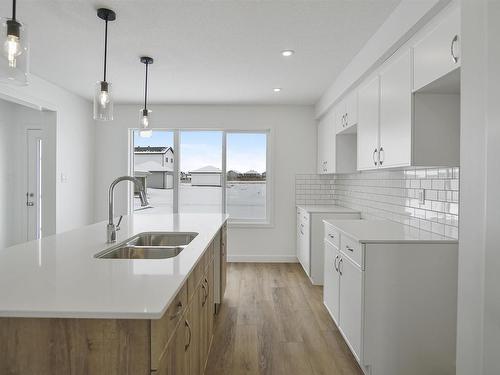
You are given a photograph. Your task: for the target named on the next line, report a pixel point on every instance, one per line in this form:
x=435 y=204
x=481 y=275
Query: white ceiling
x=205 y=51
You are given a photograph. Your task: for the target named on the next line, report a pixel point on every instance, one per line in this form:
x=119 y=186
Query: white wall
x=293 y=128
x=74 y=147
x=7 y=115
x=479 y=250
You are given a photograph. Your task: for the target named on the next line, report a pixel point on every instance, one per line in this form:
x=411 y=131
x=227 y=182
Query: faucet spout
x=111 y=228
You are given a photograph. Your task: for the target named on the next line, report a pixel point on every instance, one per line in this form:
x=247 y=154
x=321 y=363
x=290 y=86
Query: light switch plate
x=421 y=196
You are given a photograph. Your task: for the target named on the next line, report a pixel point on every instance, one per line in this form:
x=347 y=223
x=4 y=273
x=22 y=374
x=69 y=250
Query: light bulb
x=12 y=49
x=144 y=121
x=104 y=98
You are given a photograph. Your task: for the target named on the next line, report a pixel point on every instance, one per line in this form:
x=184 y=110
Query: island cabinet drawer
x=332 y=235
x=352 y=249
x=162 y=329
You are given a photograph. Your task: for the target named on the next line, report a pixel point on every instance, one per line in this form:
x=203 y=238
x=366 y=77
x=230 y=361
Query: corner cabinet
x=326 y=144
x=396 y=313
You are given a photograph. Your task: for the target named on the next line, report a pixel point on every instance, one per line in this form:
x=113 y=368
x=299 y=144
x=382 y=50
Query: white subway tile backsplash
x=390 y=195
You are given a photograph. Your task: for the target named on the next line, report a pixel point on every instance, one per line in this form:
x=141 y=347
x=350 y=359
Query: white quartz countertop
x=385 y=231
x=326 y=208
x=59 y=277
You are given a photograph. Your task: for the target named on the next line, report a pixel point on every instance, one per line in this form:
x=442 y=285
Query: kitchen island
x=64 y=311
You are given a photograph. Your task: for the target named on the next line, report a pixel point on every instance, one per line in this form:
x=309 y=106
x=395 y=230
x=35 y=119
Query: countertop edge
x=444 y=240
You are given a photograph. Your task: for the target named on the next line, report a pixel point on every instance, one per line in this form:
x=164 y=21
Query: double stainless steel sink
x=150 y=245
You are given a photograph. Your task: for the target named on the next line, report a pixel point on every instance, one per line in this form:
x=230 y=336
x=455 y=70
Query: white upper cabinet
x=396 y=112
x=368 y=124
x=326 y=144
x=438 y=52
x=347 y=112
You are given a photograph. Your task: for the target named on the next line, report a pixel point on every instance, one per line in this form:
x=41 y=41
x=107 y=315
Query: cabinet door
x=321 y=147
x=351 y=105
x=351 y=303
x=368 y=124
x=304 y=245
x=396 y=112
x=331 y=284
x=195 y=320
x=438 y=53
x=340 y=116
x=174 y=360
x=329 y=142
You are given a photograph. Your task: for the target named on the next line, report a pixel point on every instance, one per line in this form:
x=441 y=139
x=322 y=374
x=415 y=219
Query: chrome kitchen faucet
x=111 y=227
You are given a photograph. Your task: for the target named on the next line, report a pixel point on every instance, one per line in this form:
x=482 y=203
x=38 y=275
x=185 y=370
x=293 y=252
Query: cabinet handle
x=346 y=119
x=381 y=159
x=186 y=346
x=452 y=49
x=204 y=293
x=208 y=289
x=349 y=248
x=373 y=156
x=335 y=263
x=341 y=261
x=331 y=236
x=179 y=310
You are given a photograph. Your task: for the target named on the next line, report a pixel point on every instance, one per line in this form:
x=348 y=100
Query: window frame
x=267 y=222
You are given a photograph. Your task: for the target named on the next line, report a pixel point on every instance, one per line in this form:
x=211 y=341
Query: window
x=155 y=175
x=201 y=164
x=246 y=184
x=218 y=171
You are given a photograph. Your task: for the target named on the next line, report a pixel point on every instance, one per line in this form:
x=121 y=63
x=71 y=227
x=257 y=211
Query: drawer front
x=162 y=329
x=352 y=249
x=332 y=235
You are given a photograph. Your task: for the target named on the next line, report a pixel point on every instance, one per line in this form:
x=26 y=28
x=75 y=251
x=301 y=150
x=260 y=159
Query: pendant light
x=144 y=130
x=14 y=66
x=103 y=100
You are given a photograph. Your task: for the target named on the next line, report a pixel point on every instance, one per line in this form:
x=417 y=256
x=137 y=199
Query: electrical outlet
x=421 y=196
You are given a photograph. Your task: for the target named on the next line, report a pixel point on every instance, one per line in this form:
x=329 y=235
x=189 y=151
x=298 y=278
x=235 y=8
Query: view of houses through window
x=217 y=172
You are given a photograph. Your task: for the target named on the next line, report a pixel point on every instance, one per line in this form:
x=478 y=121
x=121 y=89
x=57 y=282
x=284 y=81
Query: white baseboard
x=262 y=258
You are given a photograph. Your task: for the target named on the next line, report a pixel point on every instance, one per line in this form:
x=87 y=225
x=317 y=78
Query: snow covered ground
x=244 y=200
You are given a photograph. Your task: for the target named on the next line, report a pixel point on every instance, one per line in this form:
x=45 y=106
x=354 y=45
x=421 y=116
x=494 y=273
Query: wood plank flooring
x=273 y=322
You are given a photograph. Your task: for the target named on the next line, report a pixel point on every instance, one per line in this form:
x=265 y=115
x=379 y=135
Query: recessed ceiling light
x=277 y=89
x=287 y=52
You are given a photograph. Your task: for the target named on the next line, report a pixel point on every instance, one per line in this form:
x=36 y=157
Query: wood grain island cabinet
x=177 y=343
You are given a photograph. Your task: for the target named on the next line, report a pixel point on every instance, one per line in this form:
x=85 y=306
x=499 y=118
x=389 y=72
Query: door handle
x=335 y=263
x=373 y=156
x=380 y=159
x=341 y=261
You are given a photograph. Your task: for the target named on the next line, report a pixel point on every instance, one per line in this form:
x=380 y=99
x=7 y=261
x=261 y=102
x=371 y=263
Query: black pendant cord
x=13 y=10
x=105 y=47
x=146 y=88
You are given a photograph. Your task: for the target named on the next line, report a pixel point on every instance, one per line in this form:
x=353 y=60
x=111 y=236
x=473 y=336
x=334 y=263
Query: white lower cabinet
x=395 y=303
x=331 y=288
x=310 y=249
x=350 y=303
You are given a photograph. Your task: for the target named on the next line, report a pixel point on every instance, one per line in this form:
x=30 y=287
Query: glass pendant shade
x=144 y=129
x=103 y=101
x=14 y=64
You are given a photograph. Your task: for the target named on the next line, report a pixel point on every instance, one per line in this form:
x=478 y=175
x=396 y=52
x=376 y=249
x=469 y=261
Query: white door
x=34 y=142
x=350 y=303
x=331 y=284
x=396 y=112
x=438 y=52
x=368 y=124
